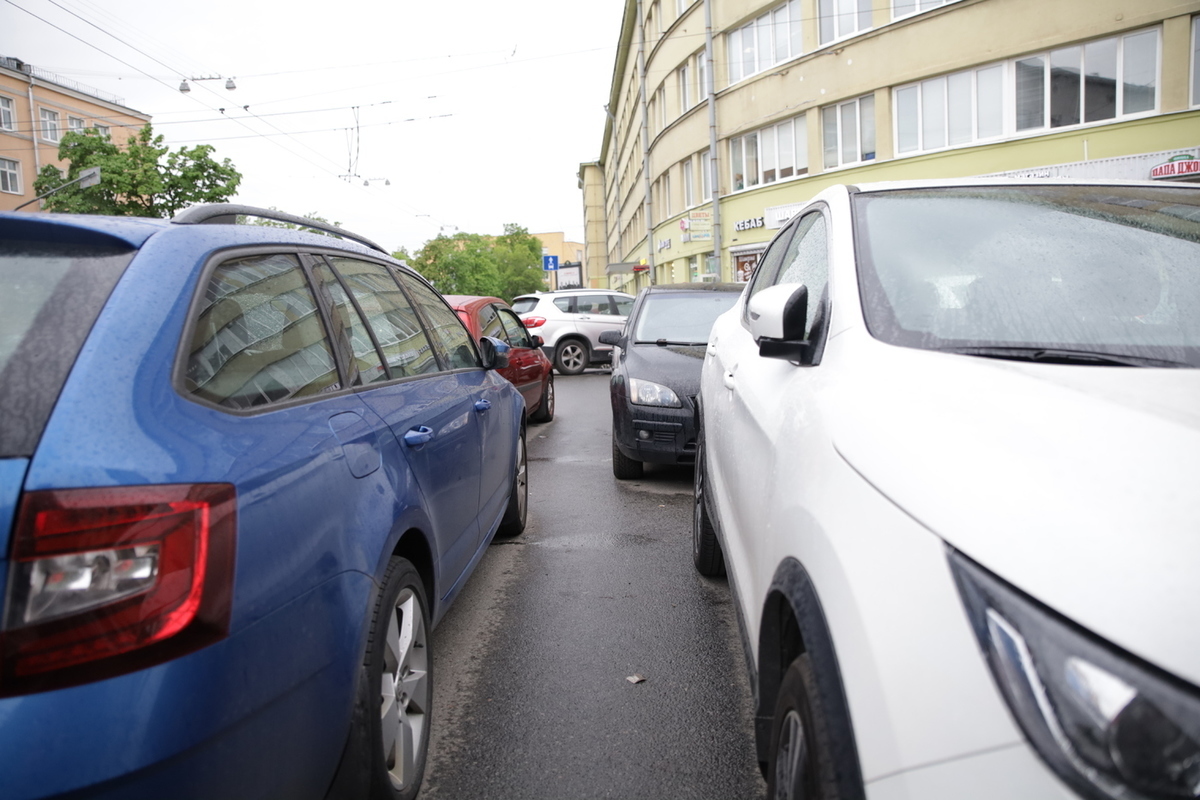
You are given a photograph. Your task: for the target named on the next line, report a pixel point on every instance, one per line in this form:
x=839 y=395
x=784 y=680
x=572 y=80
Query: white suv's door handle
x=729 y=379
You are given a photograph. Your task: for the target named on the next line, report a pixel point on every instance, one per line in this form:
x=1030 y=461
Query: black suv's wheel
x=706 y=547
x=571 y=357
x=801 y=766
x=545 y=411
x=400 y=681
x=624 y=467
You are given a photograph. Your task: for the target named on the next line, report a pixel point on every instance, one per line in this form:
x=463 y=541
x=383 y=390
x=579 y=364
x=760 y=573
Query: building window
x=681 y=6
x=50 y=128
x=705 y=171
x=10 y=176
x=666 y=194
x=660 y=101
x=906 y=8
x=1093 y=82
x=1088 y=83
x=7 y=120
x=848 y=132
x=841 y=18
x=1196 y=61
x=689 y=183
x=685 y=95
x=74 y=124
x=950 y=110
x=103 y=131
x=770 y=154
x=764 y=42
x=701 y=77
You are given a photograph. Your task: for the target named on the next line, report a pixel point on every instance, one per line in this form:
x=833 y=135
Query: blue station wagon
x=244 y=470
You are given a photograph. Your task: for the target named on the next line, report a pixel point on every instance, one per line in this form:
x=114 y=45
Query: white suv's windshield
x=683 y=318
x=1060 y=273
x=523 y=305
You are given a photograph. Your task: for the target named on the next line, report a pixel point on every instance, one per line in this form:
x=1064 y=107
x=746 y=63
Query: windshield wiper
x=1054 y=355
x=669 y=343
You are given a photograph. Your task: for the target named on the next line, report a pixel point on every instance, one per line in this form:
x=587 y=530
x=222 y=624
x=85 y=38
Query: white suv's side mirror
x=777 y=318
x=778 y=312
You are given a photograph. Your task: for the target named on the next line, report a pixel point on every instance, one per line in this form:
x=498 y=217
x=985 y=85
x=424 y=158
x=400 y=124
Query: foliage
x=470 y=263
x=142 y=179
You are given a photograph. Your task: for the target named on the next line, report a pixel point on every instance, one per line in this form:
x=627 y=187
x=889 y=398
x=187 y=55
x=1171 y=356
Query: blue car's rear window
x=50 y=295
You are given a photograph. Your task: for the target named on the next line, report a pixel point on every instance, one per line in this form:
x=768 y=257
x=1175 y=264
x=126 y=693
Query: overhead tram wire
x=173 y=89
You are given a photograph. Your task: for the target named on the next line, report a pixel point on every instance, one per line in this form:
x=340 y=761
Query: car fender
x=793 y=622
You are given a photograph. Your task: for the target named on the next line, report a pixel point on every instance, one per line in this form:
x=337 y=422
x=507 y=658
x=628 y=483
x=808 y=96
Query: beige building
x=36 y=109
x=570 y=254
x=726 y=114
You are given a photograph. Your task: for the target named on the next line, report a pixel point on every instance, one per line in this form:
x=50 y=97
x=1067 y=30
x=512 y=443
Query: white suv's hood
x=1078 y=484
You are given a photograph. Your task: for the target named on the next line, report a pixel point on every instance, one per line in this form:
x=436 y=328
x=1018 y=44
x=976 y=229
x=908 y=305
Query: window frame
x=771 y=153
x=765 y=29
x=917 y=4
x=8 y=113
x=1194 y=87
x=15 y=176
x=75 y=124
x=684 y=77
x=840 y=144
x=49 y=122
x=861 y=8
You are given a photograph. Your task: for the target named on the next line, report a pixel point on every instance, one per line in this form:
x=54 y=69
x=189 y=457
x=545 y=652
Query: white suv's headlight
x=1109 y=724
x=645 y=393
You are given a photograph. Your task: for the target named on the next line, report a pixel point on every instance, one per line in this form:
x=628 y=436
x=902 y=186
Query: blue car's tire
x=399 y=670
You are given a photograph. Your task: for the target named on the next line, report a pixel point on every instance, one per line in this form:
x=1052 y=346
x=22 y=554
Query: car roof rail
x=227 y=214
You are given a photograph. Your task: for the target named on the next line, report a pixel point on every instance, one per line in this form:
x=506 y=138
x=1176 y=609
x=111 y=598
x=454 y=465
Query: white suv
x=949 y=457
x=570 y=323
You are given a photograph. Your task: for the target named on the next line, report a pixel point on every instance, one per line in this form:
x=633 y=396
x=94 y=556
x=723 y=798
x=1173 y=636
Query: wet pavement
x=531 y=664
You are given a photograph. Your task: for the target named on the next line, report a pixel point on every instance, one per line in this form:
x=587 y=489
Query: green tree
x=470 y=263
x=142 y=179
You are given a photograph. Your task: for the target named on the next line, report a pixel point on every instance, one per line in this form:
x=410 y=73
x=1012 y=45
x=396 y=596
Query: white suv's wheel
x=571 y=357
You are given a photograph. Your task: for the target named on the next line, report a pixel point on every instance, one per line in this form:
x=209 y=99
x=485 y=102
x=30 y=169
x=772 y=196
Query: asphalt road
x=531 y=696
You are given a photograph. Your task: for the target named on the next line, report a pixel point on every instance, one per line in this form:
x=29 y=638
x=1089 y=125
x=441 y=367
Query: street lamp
x=184 y=88
x=367 y=181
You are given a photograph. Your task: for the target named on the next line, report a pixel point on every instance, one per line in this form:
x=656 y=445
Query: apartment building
x=36 y=108
x=725 y=115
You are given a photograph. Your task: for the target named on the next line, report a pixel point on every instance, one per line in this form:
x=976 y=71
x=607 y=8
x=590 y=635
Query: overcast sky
x=477 y=112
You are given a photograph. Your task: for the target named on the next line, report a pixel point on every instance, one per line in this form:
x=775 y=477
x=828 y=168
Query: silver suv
x=570 y=323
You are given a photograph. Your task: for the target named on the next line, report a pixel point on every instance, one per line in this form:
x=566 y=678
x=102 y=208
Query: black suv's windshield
x=680 y=318
x=51 y=295
x=1047 y=273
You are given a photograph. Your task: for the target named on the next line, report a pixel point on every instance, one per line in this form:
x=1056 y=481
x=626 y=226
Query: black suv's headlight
x=1109 y=724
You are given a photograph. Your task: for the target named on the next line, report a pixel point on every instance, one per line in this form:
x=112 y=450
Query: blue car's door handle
x=418 y=436
x=482 y=405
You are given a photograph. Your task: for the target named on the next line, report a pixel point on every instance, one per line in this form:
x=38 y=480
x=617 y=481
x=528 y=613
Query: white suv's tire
x=571 y=357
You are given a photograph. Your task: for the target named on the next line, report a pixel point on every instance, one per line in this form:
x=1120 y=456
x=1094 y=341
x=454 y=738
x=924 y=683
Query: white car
x=950 y=460
x=570 y=322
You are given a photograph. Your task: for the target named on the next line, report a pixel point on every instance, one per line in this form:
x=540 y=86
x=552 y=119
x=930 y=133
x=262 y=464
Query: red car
x=528 y=368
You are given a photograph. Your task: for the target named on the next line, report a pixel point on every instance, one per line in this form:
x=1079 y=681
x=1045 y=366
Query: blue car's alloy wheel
x=399 y=664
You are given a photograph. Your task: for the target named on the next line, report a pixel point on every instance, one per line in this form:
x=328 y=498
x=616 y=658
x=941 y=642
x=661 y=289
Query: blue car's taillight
x=108 y=580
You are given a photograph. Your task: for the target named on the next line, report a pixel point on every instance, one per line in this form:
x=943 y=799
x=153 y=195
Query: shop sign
x=748 y=224
x=664 y=244
x=1177 y=167
x=699 y=225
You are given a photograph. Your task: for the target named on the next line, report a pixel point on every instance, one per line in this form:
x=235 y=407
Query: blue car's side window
x=350 y=334
x=446 y=328
x=398 y=331
x=258 y=337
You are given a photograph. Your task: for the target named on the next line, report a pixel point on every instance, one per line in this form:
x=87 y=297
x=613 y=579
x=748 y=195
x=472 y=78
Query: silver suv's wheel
x=571 y=357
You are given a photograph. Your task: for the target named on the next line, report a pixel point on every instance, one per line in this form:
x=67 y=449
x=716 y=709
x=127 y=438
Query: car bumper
x=264 y=713
x=654 y=434
x=1001 y=774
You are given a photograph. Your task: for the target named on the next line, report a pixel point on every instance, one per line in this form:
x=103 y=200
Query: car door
x=488 y=397
x=596 y=313
x=525 y=362
x=419 y=398
x=753 y=405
